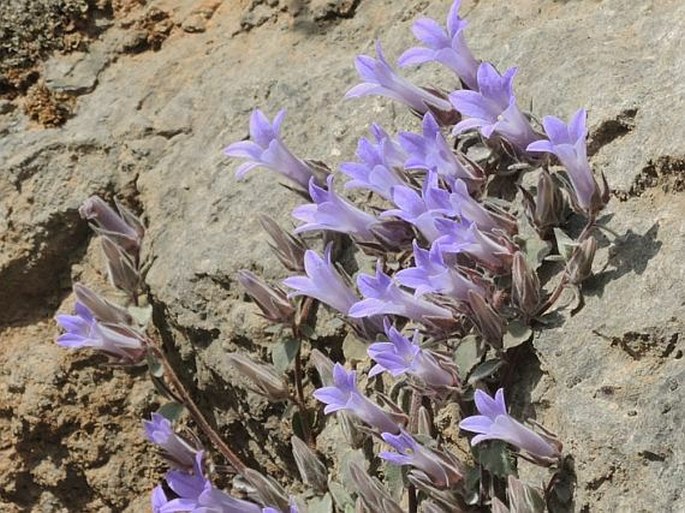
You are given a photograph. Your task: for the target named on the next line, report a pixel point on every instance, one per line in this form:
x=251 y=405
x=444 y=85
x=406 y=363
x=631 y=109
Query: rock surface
x=149 y=127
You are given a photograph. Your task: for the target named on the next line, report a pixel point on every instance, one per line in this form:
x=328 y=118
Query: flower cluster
x=454 y=234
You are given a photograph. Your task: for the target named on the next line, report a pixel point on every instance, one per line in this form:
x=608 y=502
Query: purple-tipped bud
x=267 y=149
x=486 y=319
x=579 y=266
x=103 y=310
x=177 y=450
x=546 y=210
x=265 y=378
x=121 y=268
x=312 y=470
x=122 y=228
x=272 y=301
x=494 y=423
x=344 y=395
x=380 y=79
x=525 y=289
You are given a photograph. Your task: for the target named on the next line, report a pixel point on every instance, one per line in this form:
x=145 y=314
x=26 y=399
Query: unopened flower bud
x=121 y=269
x=579 y=266
x=102 y=310
x=272 y=301
x=525 y=292
x=122 y=228
x=288 y=248
x=375 y=497
x=268 y=382
x=269 y=491
x=549 y=202
x=312 y=470
x=486 y=319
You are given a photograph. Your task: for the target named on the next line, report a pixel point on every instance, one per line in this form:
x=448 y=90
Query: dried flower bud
x=268 y=382
x=498 y=506
x=579 y=266
x=288 y=248
x=269 y=491
x=549 y=202
x=525 y=292
x=312 y=470
x=272 y=301
x=486 y=319
x=372 y=492
x=425 y=423
x=121 y=270
x=324 y=366
x=102 y=310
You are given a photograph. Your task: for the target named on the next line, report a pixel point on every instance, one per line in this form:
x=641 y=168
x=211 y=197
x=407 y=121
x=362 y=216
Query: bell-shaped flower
x=441 y=472
x=403 y=356
x=344 y=395
x=492 y=251
x=383 y=296
x=568 y=143
x=494 y=423
x=431 y=152
x=493 y=108
x=446 y=47
x=381 y=162
x=470 y=210
x=177 y=450
x=331 y=212
x=380 y=79
x=322 y=282
x=196 y=494
x=117 y=341
x=431 y=275
x=422 y=210
x=267 y=149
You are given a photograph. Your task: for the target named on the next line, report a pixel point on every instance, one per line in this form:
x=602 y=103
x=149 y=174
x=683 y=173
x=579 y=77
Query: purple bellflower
x=380 y=79
x=431 y=152
x=195 y=494
x=117 y=341
x=492 y=251
x=403 y=356
x=380 y=162
x=160 y=432
x=494 y=423
x=448 y=48
x=322 y=282
x=493 y=108
x=431 y=275
x=423 y=210
x=439 y=472
x=568 y=144
x=267 y=149
x=382 y=295
x=331 y=212
x=344 y=395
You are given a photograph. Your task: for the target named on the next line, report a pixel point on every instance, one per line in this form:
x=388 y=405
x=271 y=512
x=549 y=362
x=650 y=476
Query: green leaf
x=342 y=498
x=154 y=366
x=467 y=355
x=517 y=333
x=171 y=410
x=565 y=244
x=320 y=504
x=141 y=314
x=496 y=458
x=393 y=480
x=485 y=370
x=283 y=353
x=354 y=349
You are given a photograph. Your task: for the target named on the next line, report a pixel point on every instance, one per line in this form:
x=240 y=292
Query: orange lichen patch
x=48 y=108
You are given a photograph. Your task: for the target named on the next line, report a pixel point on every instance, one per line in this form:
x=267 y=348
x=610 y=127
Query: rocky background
x=136 y=99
